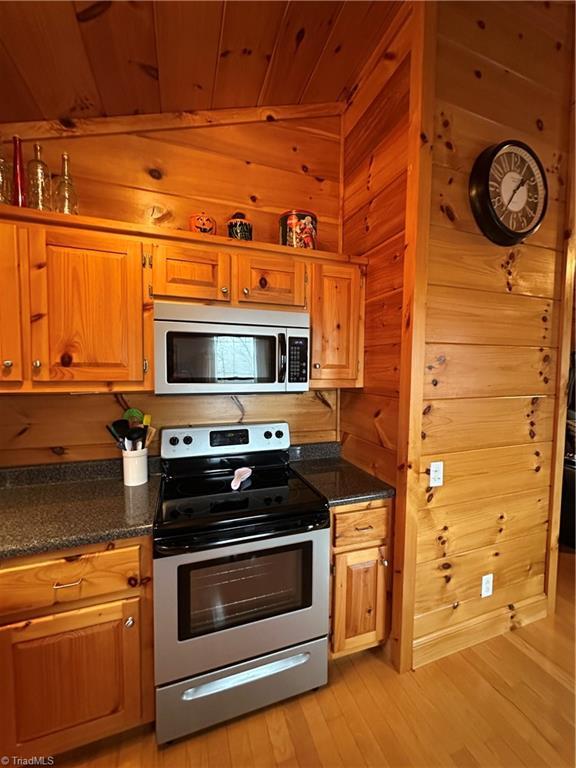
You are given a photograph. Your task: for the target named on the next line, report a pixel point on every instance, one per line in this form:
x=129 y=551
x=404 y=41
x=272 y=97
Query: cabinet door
x=271 y=280
x=10 y=319
x=358 y=619
x=185 y=272
x=335 y=322
x=70 y=678
x=86 y=307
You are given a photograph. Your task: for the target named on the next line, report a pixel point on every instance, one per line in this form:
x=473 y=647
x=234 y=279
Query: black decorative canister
x=239 y=227
x=298 y=229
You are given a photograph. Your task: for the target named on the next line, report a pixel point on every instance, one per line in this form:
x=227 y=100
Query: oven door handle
x=283 y=358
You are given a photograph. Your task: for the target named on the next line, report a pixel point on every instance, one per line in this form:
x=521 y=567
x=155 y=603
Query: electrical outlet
x=436 y=474
x=487 y=585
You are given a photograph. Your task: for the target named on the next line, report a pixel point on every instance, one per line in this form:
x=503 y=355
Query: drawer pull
x=129 y=622
x=364 y=528
x=64 y=586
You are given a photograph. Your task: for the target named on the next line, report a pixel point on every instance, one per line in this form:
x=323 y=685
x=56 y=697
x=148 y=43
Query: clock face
x=508 y=192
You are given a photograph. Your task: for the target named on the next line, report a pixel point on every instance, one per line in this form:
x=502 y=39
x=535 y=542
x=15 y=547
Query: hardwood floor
x=507 y=702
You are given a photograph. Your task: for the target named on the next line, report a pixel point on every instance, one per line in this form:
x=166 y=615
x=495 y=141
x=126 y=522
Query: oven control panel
x=185 y=442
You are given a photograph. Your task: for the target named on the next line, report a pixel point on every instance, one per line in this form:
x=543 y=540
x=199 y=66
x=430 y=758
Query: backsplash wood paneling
x=40 y=429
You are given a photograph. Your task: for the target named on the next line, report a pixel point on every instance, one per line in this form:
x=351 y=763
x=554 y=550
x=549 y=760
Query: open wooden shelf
x=31 y=216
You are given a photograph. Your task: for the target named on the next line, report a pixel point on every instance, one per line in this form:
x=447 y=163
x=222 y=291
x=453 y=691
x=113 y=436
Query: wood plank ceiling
x=63 y=60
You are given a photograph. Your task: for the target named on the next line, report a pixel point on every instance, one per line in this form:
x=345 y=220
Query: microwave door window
x=220 y=358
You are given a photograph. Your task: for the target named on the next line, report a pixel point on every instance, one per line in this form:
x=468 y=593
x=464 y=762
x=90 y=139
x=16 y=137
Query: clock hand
x=519 y=185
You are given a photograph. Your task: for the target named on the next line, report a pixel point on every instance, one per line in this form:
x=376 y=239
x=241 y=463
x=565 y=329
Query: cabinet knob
x=129 y=622
x=36 y=364
x=7 y=363
x=317 y=365
x=224 y=289
x=245 y=291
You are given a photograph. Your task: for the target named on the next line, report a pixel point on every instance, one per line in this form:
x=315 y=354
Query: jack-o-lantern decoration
x=201 y=222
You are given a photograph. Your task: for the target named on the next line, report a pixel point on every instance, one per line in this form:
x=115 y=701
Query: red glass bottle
x=18 y=180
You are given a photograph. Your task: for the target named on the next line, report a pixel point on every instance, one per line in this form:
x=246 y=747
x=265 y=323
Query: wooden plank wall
x=41 y=429
x=493 y=314
x=162 y=176
x=375 y=171
x=262 y=168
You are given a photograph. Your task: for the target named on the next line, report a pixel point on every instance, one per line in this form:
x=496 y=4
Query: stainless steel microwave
x=207 y=349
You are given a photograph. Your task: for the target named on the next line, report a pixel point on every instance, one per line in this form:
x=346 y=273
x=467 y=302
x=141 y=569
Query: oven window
x=212 y=358
x=239 y=589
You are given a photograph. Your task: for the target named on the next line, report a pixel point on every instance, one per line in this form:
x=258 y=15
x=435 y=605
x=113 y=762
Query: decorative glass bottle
x=5 y=178
x=18 y=183
x=38 y=182
x=66 y=199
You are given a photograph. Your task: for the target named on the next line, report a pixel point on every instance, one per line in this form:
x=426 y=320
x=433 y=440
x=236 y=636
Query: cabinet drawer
x=357 y=527
x=62 y=580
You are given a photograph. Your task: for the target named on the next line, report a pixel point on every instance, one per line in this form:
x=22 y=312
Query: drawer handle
x=65 y=586
x=364 y=528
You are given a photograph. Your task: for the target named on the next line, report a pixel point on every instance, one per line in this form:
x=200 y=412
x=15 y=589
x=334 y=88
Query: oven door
x=236 y=602
x=192 y=358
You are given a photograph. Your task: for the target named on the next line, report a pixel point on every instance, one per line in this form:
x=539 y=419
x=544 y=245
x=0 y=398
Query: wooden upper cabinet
x=359 y=615
x=86 y=309
x=271 y=280
x=10 y=317
x=336 y=320
x=70 y=677
x=185 y=272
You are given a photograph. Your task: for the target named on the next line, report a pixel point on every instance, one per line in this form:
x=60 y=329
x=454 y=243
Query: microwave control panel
x=297 y=359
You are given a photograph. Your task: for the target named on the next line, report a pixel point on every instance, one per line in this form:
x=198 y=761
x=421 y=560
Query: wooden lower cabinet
x=70 y=677
x=81 y=673
x=360 y=577
x=359 y=599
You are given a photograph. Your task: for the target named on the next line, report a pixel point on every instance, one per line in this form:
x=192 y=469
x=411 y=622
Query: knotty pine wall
x=162 y=176
x=492 y=320
x=375 y=128
x=261 y=169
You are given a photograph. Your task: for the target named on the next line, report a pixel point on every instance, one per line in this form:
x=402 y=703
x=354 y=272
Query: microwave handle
x=283 y=357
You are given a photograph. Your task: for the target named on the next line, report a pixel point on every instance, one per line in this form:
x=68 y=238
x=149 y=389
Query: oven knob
x=174 y=440
x=279 y=434
x=187 y=440
x=267 y=434
x=268 y=501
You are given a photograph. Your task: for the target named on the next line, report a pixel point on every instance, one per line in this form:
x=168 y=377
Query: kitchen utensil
x=134 y=416
x=241 y=474
x=137 y=436
x=121 y=427
x=149 y=436
x=147 y=420
x=117 y=439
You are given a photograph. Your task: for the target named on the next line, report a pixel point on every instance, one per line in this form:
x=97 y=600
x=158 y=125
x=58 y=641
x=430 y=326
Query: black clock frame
x=478 y=192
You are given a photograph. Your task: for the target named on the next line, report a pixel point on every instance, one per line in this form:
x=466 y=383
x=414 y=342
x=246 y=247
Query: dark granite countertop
x=53 y=507
x=48 y=516
x=341 y=482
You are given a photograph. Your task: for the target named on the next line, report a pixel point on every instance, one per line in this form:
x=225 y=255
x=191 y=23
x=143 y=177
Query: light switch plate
x=436 y=474
x=487 y=585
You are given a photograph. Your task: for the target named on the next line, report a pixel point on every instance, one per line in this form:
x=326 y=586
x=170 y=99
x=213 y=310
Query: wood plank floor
x=507 y=702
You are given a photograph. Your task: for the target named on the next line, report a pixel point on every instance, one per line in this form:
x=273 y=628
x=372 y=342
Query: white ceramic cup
x=135 y=465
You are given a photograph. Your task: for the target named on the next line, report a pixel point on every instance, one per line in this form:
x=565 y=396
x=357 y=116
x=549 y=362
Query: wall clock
x=508 y=192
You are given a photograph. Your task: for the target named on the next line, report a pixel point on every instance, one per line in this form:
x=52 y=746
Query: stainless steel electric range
x=241 y=577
